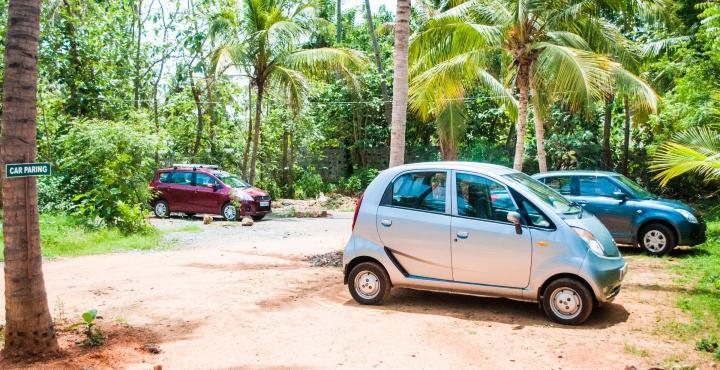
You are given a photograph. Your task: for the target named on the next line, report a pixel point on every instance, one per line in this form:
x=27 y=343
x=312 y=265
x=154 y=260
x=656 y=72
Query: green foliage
x=107 y=165
x=308 y=185
x=93 y=335
x=696 y=150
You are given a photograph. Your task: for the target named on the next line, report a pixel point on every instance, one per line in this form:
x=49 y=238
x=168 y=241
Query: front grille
x=264 y=197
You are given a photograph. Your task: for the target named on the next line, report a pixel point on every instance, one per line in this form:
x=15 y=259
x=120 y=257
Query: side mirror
x=619 y=195
x=515 y=218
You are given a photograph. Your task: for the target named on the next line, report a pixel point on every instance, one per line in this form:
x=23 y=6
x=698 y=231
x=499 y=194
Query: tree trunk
x=400 y=84
x=256 y=136
x=29 y=328
x=448 y=151
x=626 y=143
x=212 y=120
x=286 y=161
x=378 y=61
x=338 y=21
x=73 y=103
x=136 y=81
x=246 y=155
x=540 y=137
x=522 y=82
x=200 y=119
x=607 y=127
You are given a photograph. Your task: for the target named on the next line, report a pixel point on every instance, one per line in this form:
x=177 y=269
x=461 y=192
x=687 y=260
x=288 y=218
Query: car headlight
x=593 y=244
x=241 y=195
x=688 y=215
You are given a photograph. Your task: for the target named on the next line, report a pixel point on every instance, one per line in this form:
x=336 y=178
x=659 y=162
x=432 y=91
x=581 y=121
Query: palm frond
x=640 y=94
x=654 y=48
x=452 y=125
x=695 y=150
x=293 y=84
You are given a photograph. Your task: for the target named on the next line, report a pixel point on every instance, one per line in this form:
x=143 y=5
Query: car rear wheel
x=161 y=209
x=657 y=239
x=229 y=211
x=567 y=301
x=369 y=283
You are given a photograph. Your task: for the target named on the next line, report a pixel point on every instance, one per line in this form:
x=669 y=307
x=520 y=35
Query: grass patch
x=700 y=276
x=632 y=349
x=61 y=235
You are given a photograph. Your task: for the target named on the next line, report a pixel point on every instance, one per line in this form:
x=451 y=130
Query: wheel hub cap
x=566 y=303
x=367 y=284
x=230 y=212
x=655 y=240
x=160 y=209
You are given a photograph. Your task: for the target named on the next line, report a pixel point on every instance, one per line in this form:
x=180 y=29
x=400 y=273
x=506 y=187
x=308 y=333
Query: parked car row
x=201 y=188
x=488 y=230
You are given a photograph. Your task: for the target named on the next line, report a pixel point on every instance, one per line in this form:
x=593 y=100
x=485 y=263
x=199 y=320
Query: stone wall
x=336 y=162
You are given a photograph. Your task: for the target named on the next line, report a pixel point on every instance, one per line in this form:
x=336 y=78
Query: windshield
x=639 y=191
x=231 y=180
x=547 y=195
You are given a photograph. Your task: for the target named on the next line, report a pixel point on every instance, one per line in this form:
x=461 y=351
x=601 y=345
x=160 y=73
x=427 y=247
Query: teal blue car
x=633 y=215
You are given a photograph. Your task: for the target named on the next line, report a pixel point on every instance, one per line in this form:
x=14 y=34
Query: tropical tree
x=695 y=150
x=400 y=83
x=262 y=38
x=28 y=328
x=378 y=62
x=558 y=50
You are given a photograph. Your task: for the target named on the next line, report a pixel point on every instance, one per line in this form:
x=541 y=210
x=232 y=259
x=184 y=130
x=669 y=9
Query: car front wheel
x=369 y=283
x=567 y=301
x=229 y=211
x=161 y=209
x=657 y=239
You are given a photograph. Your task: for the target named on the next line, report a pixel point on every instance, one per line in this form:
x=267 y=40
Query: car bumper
x=605 y=275
x=692 y=234
x=253 y=208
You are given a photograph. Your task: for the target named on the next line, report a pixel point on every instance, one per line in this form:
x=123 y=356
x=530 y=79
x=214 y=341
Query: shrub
x=308 y=185
x=106 y=167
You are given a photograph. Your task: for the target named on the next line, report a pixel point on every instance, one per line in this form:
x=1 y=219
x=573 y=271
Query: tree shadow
x=678 y=252
x=484 y=309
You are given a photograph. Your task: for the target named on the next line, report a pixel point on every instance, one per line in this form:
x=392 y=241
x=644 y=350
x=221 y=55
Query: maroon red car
x=199 y=188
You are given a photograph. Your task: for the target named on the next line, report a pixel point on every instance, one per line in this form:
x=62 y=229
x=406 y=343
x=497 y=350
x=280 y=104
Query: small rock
x=207 y=219
x=157 y=367
x=247 y=221
x=518 y=327
x=152 y=348
x=630 y=367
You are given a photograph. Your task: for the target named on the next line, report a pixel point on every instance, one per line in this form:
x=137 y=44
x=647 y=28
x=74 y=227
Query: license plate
x=264 y=203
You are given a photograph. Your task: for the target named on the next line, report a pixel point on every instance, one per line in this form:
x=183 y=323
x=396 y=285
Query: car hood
x=601 y=233
x=253 y=191
x=670 y=203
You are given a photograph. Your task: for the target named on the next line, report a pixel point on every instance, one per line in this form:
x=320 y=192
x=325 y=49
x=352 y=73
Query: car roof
x=576 y=173
x=457 y=165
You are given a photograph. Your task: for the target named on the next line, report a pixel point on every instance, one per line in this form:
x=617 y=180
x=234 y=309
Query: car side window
x=596 y=186
x=561 y=184
x=202 y=179
x=165 y=177
x=420 y=190
x=182 y=178
x=479 y=197
x=536 y=217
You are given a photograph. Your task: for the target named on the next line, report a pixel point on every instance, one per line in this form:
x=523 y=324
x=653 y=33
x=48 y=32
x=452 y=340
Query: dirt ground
x=243 y=297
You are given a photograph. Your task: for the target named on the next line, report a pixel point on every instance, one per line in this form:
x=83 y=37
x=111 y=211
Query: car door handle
x=386 y=223
x=463 y=234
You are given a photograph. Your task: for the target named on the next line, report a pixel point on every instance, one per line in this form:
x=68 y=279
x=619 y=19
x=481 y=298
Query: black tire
x=258 y=218
x=576 y=293
x=652 y=237
x=228 y=215
x=161 y=209
x=189 y=214
x=380 y=292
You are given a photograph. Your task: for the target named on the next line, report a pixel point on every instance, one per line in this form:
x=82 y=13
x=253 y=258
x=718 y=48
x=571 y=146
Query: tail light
x=357 y=208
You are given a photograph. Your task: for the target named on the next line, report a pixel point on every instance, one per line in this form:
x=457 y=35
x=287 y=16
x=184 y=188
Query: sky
x=374 y=4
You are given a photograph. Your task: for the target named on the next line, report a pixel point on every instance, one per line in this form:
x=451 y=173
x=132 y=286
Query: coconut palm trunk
x=400 y=84
x=28 y=328
x=256 y=134
x=626 y=141
x=607 y=128
x=522 y=82
x=248 y=142
x=540 y=136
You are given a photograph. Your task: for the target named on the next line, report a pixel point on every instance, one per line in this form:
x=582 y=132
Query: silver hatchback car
x=480 y=229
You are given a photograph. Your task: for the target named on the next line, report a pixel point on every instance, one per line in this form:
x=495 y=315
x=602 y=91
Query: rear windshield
x=560 y=204
x=231 y=180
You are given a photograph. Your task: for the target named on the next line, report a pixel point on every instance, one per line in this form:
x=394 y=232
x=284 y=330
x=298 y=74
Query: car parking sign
x=27 y=169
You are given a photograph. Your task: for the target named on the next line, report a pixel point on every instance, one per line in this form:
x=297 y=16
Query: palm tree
x=378 y=62
x=261 y=39
x=695 y=150
x=28 y=328
x=558 y=51
x=400 y=83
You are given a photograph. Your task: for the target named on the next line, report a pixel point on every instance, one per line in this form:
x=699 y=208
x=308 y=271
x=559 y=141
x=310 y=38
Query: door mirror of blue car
x=619 y=195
